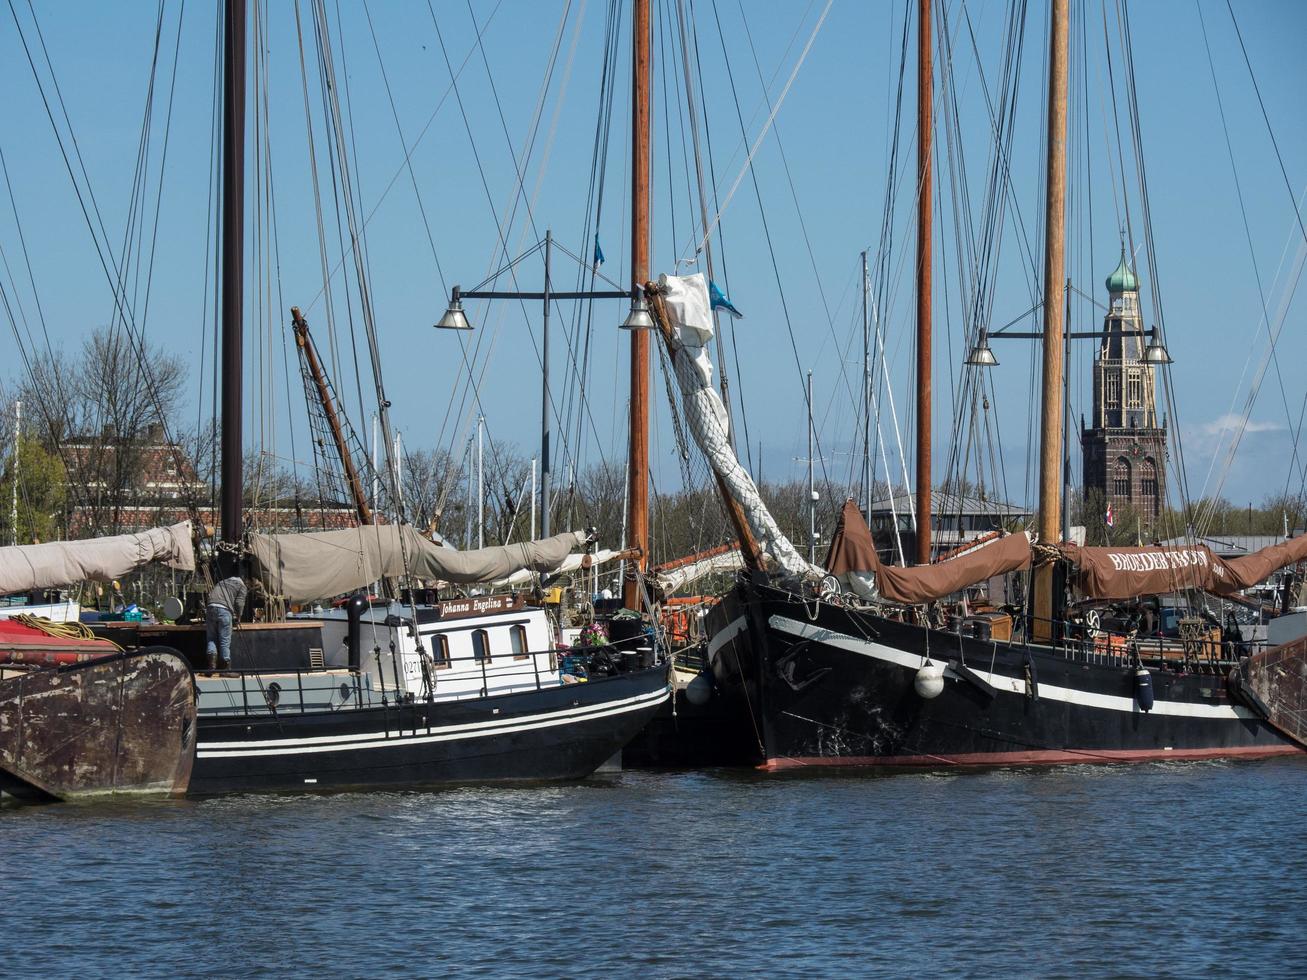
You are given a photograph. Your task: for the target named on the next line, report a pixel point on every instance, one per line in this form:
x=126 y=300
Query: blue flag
x=720 y=301
x=599 y=253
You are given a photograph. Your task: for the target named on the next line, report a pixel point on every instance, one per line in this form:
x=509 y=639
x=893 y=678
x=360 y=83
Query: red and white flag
x=1108 y=517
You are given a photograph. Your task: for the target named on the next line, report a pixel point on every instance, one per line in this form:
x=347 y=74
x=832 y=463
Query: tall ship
x=400 y=683
x=855 y=662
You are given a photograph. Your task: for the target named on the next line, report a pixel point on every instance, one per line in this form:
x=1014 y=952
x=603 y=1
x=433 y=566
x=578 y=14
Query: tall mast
x=233 y=232
x=305 y=343
x=866 y=393
x=812 y=486
x=924 y=140
x=638 y=488
x=1050 y=446
x=18 y=443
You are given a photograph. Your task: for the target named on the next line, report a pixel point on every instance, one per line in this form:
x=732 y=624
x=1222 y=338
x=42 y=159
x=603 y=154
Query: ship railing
x=1202 y=652
x=499 y=673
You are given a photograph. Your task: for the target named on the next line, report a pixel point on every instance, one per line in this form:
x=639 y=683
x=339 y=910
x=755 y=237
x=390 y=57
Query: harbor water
x=1155 y=869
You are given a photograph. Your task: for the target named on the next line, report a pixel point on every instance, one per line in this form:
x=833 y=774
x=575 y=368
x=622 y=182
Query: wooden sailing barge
x=845 y=665
x=385 y=695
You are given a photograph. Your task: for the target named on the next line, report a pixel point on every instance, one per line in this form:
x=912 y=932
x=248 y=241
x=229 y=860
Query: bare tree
x=431 y=481
x=106 y=413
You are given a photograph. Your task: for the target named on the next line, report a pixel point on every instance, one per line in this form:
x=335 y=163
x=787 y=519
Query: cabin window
x=1121 y=478
x=1135 y=390
x=1113 y=394
x=517 y=635
x=440 y=651
x=481 y=646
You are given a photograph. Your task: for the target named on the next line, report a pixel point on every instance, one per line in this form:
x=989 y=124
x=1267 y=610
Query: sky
x=451 y=181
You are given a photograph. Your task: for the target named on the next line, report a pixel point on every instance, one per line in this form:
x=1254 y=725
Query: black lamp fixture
x=638 y=318
x=1155 y=352
x=981 y=355
x=454 y=318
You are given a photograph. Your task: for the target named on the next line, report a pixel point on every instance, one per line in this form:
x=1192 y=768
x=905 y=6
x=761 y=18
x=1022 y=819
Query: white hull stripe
x=377 y=740
x=724 y=636
x=1005 y=684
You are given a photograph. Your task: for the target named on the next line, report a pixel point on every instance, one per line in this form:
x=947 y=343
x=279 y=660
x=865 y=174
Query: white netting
x=686 y=299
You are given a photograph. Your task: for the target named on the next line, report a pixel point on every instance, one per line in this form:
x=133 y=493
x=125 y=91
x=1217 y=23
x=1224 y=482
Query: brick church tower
x=1124 y=448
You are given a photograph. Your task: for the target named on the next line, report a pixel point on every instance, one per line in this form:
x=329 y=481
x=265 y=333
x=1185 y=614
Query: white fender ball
x=699 y=690
x=929 y=682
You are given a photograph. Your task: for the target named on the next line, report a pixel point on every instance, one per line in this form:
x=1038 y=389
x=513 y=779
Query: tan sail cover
x=1123 y=573
x=303 y=567
x=853 y=555
x=41 y=566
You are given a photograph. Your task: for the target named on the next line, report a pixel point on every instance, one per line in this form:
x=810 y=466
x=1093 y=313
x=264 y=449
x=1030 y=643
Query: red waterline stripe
x=1036 y=757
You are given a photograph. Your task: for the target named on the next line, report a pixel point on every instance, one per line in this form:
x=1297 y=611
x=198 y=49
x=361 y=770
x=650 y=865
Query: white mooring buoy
x=929 y=682
x=699 y=690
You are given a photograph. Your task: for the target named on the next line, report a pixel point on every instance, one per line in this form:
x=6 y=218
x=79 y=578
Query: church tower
x=1124 y=447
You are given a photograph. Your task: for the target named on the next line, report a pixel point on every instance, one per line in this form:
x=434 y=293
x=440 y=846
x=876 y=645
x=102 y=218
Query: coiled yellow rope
x=66 y=631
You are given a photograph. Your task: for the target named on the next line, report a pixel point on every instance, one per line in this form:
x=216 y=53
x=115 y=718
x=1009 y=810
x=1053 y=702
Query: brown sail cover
x=852 y=550
x=1123 y=573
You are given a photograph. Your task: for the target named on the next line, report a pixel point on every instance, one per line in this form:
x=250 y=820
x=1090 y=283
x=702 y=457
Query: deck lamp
x=454 y=318
x=981 y=355
x=1155 y=352
x=638 y=318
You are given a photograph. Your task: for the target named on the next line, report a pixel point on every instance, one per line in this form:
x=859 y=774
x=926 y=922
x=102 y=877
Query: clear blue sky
x=833 y=125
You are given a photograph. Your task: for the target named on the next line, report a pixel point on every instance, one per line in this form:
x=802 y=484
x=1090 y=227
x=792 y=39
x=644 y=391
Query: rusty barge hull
x=1273 y=683
x=119 y=725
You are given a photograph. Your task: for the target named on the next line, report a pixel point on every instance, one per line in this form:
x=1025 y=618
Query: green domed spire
x=1122 y=280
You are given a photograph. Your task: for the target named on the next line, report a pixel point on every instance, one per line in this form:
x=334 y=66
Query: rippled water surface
x=1181 y=868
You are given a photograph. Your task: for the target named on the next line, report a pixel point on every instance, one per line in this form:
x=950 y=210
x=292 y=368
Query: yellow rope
x=66 y=631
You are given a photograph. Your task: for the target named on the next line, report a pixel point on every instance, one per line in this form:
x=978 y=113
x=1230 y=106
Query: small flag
x=1109 y=518
x=599 y=254
x=720 y=302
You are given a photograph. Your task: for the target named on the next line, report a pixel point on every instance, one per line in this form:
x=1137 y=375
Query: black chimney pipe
x=354 y=609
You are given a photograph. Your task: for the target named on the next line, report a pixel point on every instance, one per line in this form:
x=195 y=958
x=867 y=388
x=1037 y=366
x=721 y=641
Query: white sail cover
x=571 y=563
x=672 y=579
x=304 y=567
x=42 y=566
x=688 y=305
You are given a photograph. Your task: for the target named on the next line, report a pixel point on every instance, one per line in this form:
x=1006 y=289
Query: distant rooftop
x=1229 y=545
x=943 y=503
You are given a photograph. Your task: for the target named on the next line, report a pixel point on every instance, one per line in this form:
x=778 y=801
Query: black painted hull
x=694 y=736
x=832 y=686
x=556 y=733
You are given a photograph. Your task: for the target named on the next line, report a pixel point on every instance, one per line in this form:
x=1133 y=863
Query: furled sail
x=303 y=567
x=1122 y=573
x=677 y=575
x=572 y=563
x=688 y=305
x=41 y=566
x=853 y=558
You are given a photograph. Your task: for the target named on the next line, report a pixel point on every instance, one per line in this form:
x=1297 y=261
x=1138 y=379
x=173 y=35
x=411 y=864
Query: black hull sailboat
x=830 y=685
x=555 y=733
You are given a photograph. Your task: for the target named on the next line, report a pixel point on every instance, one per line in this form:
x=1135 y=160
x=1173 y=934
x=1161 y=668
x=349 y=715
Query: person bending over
x=226 y=603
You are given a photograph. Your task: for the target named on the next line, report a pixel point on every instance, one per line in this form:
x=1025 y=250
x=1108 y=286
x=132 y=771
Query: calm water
x=1181 y=868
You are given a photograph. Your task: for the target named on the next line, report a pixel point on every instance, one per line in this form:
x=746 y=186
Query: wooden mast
x=301 y=328
x=233 y=232
x=638 y=491
x=924 y=141
x=1050 y=446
